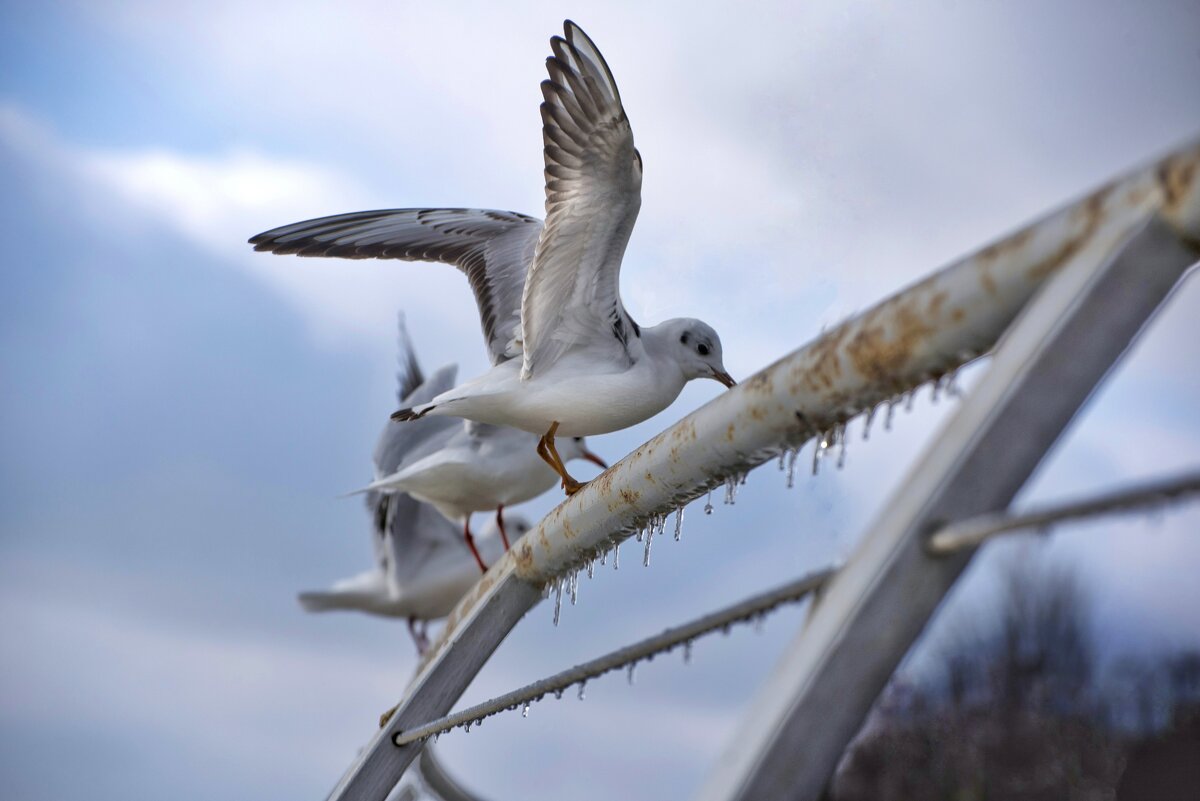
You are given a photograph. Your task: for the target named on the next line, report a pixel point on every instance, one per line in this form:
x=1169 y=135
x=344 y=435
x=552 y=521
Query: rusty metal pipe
x=918 y=334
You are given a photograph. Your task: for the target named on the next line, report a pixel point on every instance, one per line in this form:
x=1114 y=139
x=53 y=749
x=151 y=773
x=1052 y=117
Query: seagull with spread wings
x=567 y=359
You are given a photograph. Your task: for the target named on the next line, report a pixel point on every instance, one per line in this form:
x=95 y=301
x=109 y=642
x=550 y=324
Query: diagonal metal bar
x=744 y=610
x=917 y=335
x=973 y=532
x=871 y=612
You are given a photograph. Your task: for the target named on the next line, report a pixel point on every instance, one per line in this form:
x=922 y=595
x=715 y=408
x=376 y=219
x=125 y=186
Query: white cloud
x=216 y=202
x=801 y=162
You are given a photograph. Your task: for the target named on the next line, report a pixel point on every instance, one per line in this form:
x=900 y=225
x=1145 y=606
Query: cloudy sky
x=180 y=413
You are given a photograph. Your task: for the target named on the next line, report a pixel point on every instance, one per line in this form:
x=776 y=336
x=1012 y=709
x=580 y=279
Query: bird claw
x=572 y=487
x=386 y=716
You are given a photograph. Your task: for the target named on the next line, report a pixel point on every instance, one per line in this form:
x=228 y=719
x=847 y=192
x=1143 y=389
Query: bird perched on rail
x=421 y=567
x=480 y=467
x=567 y=359
x=461 y=467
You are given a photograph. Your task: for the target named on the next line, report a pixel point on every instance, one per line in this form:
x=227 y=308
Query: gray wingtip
x=408 y=375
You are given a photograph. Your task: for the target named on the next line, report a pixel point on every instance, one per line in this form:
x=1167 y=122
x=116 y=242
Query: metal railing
x=1098 y=268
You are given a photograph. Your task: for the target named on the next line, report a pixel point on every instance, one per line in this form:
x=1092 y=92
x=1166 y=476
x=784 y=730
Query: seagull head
x=697 y=348
x=516 y=526
x=576 y=448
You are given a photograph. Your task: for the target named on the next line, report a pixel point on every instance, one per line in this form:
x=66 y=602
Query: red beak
x=594 y=459
x=724 y=378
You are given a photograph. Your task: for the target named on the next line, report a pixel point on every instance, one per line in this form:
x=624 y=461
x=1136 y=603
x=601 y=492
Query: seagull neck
x=658 y=340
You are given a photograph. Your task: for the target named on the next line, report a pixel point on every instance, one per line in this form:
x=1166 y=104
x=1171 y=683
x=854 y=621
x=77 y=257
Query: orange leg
x=549 y=454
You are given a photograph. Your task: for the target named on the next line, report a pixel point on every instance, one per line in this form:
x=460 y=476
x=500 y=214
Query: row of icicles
x=656 y=525
x=824 y=444
x=757 y=620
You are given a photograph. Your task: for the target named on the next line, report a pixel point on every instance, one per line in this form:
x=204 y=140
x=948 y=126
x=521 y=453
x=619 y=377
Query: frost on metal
x=918 y=335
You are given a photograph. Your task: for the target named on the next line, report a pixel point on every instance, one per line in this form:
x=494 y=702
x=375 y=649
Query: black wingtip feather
x=408 y=415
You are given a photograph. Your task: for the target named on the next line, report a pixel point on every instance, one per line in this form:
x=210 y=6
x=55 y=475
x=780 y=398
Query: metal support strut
x=870 y=613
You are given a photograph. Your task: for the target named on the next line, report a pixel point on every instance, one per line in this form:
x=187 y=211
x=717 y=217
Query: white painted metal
x=875 y=607
x=745 y=610
x=975 y=531
x=915 y=336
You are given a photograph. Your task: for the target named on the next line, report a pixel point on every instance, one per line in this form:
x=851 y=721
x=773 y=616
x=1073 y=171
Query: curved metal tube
x=918 y=334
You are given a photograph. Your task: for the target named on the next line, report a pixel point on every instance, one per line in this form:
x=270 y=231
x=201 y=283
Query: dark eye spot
x=683 y=339
x=702 y=349
x=579 y=439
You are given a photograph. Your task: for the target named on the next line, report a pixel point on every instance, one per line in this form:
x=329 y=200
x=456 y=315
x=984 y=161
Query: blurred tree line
x=1022 y=710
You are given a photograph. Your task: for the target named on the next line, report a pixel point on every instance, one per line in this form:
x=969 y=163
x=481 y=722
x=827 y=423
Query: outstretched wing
x=593 y=193
x=493 y=248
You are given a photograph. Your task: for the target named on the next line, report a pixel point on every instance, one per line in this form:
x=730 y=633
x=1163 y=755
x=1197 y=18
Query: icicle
x=678 y=523
x=629 y=671
x=951 y=389
x=891 y=412
x=558 y=591
x=841 y=462
x=649 y=542
x=782 y=455
x=573 y=583
x=558 y=694
x=708 y=507
x=936 y=389
x=819 y=447
x=759 y=622
x=525 y=710
x=467 y=727
x=910 y=398
x=604 y=557
x=731 y=487
x=617 y=556
x=591 y=568
x=661 y=525
x=687 y=652
x=867 y=422
x=639 y=534
x=582 y=686
x=791 y=468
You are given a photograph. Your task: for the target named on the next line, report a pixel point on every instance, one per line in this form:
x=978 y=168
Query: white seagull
x=478 y=468
x=421 y=568
x=460 y=467
x=567 y=358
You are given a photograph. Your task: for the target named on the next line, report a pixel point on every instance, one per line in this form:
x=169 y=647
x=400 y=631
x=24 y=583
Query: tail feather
x=406 y=415
x=323 y=601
